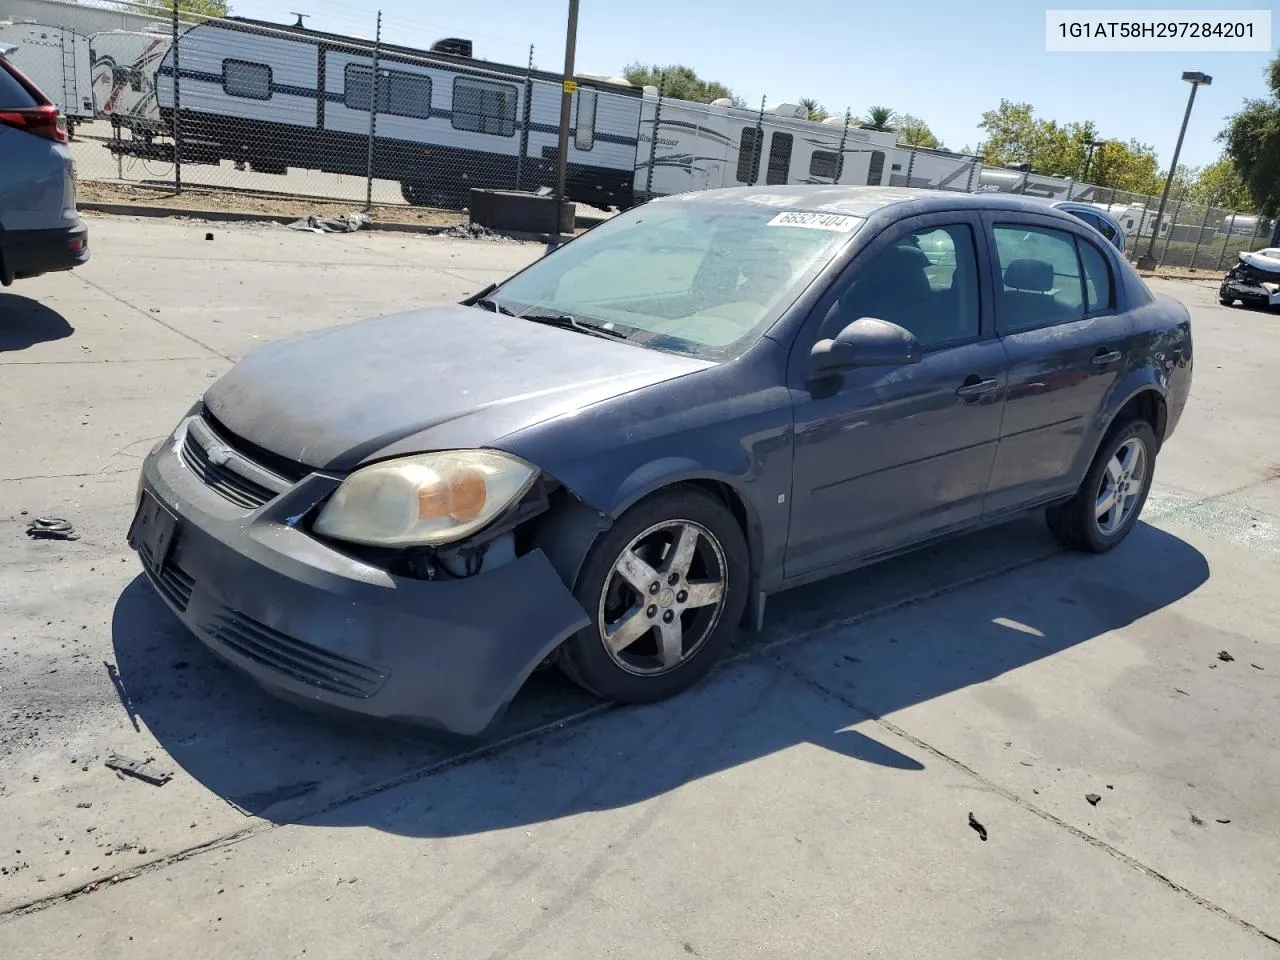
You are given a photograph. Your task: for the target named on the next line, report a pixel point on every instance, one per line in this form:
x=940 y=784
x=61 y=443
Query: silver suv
x=40 y=231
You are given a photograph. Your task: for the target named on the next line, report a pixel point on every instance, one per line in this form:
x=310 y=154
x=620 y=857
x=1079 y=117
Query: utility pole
x=1148 y=260
x=568 y=88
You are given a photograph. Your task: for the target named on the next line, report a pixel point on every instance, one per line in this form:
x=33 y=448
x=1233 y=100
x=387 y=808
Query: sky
x=940 y=60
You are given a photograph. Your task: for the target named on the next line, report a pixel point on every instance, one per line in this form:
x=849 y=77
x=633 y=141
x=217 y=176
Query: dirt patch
x=231 y=201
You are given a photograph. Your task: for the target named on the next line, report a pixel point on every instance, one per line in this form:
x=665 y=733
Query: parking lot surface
x=812 y=798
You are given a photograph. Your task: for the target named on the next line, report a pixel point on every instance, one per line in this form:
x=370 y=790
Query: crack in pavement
x=151 y=316
x=1030 y=807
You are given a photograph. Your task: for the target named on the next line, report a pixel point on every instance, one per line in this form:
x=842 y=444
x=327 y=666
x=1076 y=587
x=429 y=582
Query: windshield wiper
x=494 y=305
x=567 y=321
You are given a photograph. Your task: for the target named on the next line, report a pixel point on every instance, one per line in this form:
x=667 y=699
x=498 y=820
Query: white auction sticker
x=1157 y=31
x=839 y=222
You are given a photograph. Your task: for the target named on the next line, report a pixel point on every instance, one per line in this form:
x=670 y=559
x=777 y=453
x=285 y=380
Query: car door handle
x=1106 y=357
x=973 y=387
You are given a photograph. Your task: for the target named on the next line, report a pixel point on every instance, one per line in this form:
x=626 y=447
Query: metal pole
x=653 y=138
x=566 y=102
x=1230 y=231
x=373 y=116
x=1200 y=236
x=177 y=106
x=1149 y=260
x=844 y=135
x=1169 y=236
x=528 y=114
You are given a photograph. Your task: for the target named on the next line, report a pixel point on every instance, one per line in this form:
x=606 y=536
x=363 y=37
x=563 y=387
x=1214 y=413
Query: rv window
x=584 y=137
x=240 y=78
x=779 y=158
x=484 y=107
x=875 y=172
x=825 y=164
x=749 y=155
x=399 y=93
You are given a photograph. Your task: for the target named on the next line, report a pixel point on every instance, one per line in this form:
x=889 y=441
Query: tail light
x=43 y=121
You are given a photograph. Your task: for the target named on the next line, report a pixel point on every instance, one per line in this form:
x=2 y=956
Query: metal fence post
x=177 y=106
x=1173 y=222
x=844 y=135
x=653 y=138
x=1230 y=232
x=373 y=115
x=1200 y=236
x=524 y=132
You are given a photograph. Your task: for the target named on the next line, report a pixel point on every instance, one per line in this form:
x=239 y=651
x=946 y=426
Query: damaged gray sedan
x=609 y=460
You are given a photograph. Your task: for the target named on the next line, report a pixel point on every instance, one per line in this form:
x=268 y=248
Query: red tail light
x=44 y=122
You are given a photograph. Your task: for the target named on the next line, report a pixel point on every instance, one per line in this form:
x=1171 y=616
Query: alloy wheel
x=1121 y=486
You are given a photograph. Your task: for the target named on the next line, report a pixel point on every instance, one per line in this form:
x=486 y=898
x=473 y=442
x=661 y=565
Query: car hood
x=440 y=378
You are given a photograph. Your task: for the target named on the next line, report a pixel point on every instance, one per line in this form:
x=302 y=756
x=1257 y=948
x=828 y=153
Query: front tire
x=1109 y=500
x=666 y=587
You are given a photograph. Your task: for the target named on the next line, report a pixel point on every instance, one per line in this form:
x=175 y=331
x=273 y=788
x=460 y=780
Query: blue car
x=610 y=459
x=1099 y=219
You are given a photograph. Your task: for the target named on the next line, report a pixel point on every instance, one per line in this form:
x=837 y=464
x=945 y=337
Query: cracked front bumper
x=309 y=622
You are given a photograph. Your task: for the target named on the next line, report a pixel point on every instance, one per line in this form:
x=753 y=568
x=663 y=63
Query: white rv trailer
x=57 y=60
x=700 y=146
x=124 y=78
x=274 y=97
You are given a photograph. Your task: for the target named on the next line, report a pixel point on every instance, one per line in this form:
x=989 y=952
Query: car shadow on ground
x=288 y=765
x=25 y=322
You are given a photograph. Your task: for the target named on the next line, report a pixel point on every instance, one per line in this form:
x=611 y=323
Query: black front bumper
x=30 y=253
x=307 y=621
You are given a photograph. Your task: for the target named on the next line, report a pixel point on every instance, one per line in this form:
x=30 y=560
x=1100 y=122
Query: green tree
x=914 y=131
x=813 y=109
x=679 y=82
x=187 y=9
x=1220 y=185
x=880 y=118
x=1252 y=138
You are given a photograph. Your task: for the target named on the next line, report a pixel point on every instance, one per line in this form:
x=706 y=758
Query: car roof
x=863 y=201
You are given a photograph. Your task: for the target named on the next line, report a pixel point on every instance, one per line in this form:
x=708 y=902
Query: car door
x=885 y=456
x=1067 y=340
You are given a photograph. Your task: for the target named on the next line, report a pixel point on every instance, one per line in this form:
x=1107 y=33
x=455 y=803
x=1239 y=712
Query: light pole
x=568 y=87
x=1088 y=157
x=1148 y=260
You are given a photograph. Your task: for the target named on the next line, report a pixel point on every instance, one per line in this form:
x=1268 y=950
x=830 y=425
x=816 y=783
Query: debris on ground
x=973 y=822
x=138 y=769
x=208 y=236
x=1255 y=666
x=347 y=223
x=1225 y=657
x=1197 y=821
x=472 y=231
x=51 y=528
x=1223 y=819
x=1093 y=798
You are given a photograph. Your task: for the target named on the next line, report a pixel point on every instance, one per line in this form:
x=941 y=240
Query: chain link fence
x=246 y=110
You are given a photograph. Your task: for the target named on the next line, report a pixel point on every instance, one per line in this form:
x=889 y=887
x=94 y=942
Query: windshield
x=702 y=279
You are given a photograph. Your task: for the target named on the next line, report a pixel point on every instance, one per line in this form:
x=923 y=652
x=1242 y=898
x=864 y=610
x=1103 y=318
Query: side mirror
x=867 y=342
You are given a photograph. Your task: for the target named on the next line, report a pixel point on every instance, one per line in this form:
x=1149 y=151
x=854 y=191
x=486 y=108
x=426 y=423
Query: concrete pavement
x=812 y=799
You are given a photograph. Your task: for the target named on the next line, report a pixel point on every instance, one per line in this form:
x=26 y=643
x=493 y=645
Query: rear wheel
x=1112 y=494
x=666 y=587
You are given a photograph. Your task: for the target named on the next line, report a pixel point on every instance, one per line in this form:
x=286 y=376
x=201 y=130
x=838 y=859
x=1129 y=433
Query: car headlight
x=427 y=499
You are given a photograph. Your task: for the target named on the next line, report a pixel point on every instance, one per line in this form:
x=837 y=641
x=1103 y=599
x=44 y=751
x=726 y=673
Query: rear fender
x=1133 y=384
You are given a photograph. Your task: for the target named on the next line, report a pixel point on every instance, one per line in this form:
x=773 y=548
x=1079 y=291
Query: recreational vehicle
x=57 y=60
x=124 y=78
x=273 y=97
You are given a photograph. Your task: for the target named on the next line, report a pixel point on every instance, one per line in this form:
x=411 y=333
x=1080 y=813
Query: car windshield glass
x=702 y=279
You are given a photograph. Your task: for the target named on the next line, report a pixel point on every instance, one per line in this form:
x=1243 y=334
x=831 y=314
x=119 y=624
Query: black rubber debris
x=982 y=831
x=1255 y=666
x=208 y=236
x=1225 y=657
x=1223 y=820
x=1093 y=798
x=139 y=769
x=51 y=528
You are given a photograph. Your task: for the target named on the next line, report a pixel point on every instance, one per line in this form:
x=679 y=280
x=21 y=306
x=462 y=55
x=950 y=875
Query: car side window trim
x=1002 y=218
x=806 y=336
x=1110 y=309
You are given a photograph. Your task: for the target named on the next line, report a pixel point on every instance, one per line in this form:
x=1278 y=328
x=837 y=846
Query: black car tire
x=584 y=657
x=1074 y=523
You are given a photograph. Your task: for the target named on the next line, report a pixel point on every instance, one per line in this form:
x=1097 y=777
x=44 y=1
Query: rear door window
x=13 y=95
x=1040 y=273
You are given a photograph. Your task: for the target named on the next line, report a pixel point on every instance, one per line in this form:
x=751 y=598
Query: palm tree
x=879 y=118
x=813 y=109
